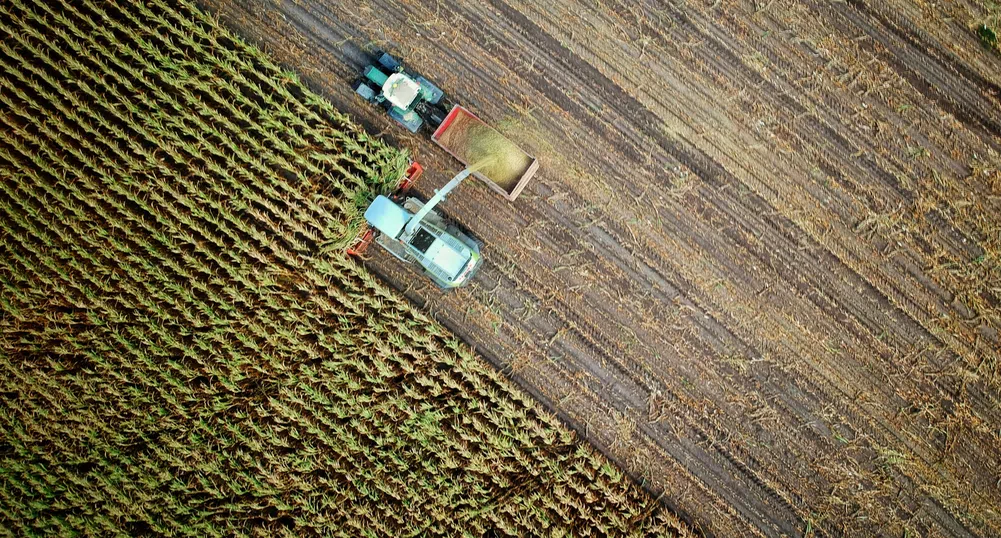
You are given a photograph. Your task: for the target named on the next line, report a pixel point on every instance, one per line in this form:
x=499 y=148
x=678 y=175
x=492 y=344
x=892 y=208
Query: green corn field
x=184 y=347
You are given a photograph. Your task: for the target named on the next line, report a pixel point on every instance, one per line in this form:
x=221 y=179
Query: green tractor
x=409 y=98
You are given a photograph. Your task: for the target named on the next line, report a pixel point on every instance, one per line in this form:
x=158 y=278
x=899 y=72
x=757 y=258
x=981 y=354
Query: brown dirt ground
x=759 y=265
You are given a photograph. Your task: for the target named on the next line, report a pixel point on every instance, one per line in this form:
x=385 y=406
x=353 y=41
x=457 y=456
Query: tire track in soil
x=715 y=51
x=704 y=457
x=602 y=347
x=640 y=402
x=536 y=33
x=728 y=487
x=927 y=74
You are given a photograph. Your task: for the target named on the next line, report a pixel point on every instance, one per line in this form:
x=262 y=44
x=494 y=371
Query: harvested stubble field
x=185 y=349
x=759 y=265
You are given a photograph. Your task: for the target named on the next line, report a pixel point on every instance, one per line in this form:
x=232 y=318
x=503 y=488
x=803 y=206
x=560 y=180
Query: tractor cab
x=409 y=98
x=401 y=90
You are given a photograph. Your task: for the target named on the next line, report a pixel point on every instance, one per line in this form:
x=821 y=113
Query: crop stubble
x=760 y=262
x=186 y=350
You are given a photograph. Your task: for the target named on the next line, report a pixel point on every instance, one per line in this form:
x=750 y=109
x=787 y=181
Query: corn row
x=184 y=349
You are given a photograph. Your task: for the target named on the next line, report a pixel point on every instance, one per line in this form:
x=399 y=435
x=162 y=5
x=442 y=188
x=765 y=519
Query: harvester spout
x=438 y=197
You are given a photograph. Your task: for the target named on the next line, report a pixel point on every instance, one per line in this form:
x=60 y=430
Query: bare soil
x=759 y=265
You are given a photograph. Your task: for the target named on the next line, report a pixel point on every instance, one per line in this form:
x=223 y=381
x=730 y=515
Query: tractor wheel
x=435 y=115
x=364 y=90
x=387 y=61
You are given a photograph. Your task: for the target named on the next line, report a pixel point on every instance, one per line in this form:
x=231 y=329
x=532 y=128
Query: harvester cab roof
x=387 y=217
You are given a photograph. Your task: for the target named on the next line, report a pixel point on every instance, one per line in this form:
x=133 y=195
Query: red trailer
x=505 y=167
